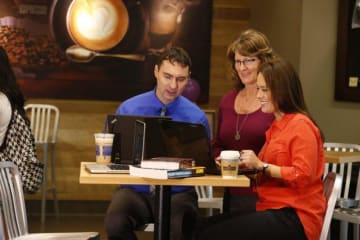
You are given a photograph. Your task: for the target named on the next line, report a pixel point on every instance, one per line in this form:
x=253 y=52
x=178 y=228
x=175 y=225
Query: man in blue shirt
x=133 y=205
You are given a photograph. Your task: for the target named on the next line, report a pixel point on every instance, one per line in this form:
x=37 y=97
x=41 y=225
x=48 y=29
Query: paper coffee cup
x=229 y=163
x=103 y=142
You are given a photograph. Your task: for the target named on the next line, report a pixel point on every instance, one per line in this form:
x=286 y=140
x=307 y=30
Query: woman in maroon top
x=241 y=123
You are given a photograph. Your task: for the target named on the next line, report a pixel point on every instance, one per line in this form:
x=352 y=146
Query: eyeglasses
x=246 y=62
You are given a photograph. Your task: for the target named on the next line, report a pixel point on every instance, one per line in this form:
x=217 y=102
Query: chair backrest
x=44 y=121
x=12 y=200
x=204 y=192
x=207 y=200
x=343 y=169
x=2 y=231
x=357 y=193
x=332 y=186
x=211 y=117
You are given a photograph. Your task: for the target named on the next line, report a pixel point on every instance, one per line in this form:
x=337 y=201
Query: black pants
x=129 y=209
x=244 y=203
x=270 y=224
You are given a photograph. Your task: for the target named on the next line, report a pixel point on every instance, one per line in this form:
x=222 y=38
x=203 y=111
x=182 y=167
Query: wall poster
x=101 y=49
x=347 y=82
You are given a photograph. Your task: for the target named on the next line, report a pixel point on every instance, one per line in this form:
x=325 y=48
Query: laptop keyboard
x=119 y=166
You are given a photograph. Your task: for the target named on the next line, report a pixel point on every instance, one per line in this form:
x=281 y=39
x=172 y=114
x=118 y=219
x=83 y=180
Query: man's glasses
x=246 y=62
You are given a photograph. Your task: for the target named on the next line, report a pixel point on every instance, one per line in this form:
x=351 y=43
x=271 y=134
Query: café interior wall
x=305 y=33
x=339 y=120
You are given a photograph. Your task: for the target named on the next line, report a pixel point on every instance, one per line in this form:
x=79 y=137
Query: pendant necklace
x=247 y=106
x=238 y=128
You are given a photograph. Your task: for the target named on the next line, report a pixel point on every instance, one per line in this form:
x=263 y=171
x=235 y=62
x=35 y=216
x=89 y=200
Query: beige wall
x=280 y=20
x=304 y=32
x=340 y=121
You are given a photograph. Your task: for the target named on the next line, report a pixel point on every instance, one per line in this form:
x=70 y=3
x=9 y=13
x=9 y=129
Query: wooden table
x=162 y=191
x=341 y=157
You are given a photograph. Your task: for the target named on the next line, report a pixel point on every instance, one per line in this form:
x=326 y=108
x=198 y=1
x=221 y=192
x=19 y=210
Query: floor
x=74 y=217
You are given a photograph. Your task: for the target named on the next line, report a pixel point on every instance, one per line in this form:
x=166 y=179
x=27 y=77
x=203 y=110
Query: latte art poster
x=101 y=49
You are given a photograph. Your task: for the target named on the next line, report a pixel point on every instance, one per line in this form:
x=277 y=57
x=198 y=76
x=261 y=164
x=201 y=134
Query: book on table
x=170 y=163
x=165 y=173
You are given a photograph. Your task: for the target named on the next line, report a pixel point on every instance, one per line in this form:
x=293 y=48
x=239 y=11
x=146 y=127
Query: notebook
x=189 y=140
x=139 y=135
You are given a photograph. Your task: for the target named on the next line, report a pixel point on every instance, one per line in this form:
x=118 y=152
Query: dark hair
x=285 y=87
x=8 y=84
x=175 y=54
x=250 y=43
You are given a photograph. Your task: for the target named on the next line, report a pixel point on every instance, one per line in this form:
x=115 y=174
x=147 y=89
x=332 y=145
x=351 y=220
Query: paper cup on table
x=103 y=142
x=229 y=163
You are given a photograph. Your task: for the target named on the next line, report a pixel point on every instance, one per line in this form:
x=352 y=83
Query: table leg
x=162 y=209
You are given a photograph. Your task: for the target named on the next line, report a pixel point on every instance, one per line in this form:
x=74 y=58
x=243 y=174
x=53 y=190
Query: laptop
x=188 y=140
x=129 y=142
x=139 y=136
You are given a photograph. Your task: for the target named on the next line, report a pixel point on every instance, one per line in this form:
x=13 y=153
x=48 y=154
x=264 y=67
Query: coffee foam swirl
x=98 y=21
x=97 y=24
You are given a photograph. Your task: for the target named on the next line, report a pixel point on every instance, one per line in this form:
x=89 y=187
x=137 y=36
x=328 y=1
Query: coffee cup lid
x=104 y=135
x=230 y=154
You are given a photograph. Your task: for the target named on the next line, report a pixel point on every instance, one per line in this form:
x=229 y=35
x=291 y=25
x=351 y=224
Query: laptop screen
x=139 y=140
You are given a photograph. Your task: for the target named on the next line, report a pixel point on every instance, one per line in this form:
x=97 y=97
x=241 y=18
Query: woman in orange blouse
x=291 y=202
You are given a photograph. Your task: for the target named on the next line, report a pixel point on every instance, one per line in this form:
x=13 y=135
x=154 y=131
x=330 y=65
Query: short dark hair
x=175 y=54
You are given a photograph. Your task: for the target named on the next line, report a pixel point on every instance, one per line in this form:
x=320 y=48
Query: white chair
x=14 y=212
x=207 y=200
x=345 y=213
x=211 y=117
x=332 y=187
x=44 y=120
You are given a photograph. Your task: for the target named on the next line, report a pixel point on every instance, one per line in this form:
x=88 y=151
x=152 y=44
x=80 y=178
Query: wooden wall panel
x=79 y=120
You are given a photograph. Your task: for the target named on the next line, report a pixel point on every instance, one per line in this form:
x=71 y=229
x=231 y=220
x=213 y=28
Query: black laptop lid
x=180 y=139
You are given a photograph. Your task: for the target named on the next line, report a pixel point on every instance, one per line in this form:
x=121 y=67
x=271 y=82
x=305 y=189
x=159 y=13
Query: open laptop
x=128 y=144
x=139 y=136
x=182 y=139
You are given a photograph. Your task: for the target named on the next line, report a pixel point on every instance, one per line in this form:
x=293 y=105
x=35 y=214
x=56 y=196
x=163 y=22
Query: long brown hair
x=285 y=86
x=250 y=43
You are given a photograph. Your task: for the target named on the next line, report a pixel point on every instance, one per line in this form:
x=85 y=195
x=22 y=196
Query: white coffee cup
x=103 y=142
x=229 y=163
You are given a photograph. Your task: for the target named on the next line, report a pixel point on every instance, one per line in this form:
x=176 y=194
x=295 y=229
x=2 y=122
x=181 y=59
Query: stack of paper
x=166 y=174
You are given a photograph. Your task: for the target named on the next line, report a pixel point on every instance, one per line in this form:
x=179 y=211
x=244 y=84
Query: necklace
x=238 y=128
x=244 y=105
